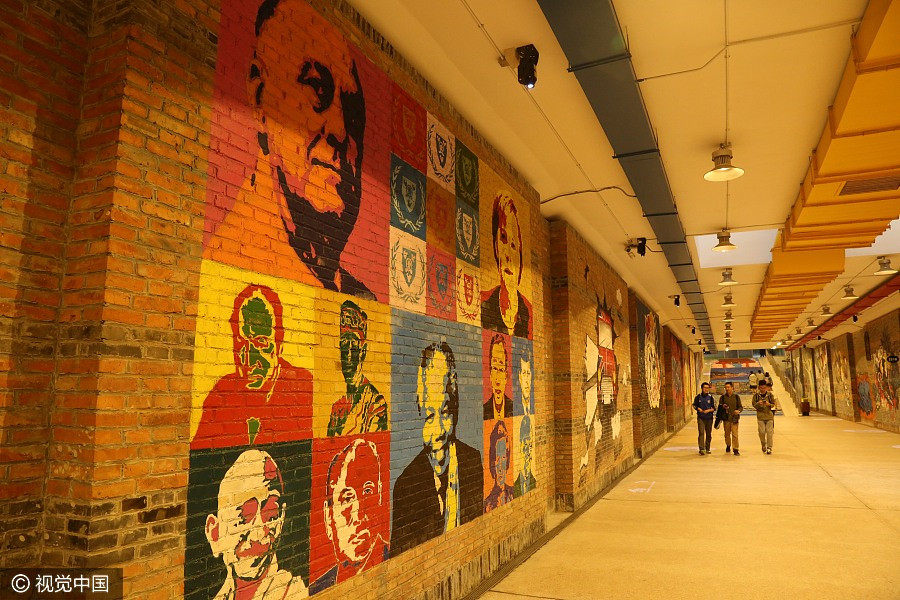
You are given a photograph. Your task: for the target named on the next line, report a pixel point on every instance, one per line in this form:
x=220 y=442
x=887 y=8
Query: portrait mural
x=248 y=522
x=355 y=391
x=809 y=382
x=522 y=455
x=350 y=499
x=497 y=376
x=675 y=364
x=602 y=419
x=499 y=473
x=505 y=308
x=523 y=376
x=435 y=461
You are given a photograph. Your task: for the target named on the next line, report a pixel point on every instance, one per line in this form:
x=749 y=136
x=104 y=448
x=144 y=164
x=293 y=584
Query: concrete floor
x=819 y=518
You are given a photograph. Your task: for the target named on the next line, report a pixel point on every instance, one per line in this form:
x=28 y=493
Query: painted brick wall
x=864 y=384
x=648 y=374
x=590 y=312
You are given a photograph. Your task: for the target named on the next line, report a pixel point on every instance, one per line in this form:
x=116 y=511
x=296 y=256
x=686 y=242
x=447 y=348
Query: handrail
x=776 y=366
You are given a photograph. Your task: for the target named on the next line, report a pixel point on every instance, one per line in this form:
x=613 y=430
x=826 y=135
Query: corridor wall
x=592 y=361
x=854 y=374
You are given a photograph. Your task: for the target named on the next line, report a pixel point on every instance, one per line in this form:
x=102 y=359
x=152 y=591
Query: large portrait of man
x=245 y=528
x=265 y=399
x=363 y=408
x=441 y=488
x=355 y=512
x=303 y=191
x=525 y=481
x=505 y=309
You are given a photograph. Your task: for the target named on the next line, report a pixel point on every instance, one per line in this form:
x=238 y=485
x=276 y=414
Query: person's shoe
x=737 y=452
x=727 y=449
x=702 y=453
x=769 y=451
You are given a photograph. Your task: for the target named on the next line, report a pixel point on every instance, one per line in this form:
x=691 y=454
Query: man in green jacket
x=764 y=403
x=732 y=403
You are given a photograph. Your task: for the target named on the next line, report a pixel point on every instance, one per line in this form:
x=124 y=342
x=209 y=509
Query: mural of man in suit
x=504 y=309
x=363 y=408
x=246 y=528
x=354 y=503
x=498 y=405
x=499 y=465
x=525 y=481
x=265 y=399
x=441 y=488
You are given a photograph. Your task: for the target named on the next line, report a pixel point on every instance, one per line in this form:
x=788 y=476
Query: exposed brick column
x=41 y=68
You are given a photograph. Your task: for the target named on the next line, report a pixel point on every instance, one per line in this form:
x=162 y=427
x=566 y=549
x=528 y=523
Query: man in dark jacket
x=442 y=487
x=732 y=404
x=764 y=403
x=705 y=405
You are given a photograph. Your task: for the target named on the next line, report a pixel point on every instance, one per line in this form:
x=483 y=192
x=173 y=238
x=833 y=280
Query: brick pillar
x=41 y=68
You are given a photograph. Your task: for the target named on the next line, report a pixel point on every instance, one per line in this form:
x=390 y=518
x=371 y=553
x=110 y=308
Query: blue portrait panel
x=523 y=376
x=436 y=433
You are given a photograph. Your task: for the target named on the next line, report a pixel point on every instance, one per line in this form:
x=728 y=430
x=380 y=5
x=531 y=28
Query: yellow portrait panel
x=214 y=345
x=352 y=371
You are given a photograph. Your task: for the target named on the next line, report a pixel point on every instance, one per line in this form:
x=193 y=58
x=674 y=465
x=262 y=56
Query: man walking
x=705 y=405
x=753 y=380
x=764 y=403
x=733 y=408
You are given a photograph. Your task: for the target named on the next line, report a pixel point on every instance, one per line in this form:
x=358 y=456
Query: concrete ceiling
x=785 y=63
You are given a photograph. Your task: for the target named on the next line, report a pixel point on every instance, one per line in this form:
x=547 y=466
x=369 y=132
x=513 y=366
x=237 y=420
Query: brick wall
x=231 y=279
x=593 y=372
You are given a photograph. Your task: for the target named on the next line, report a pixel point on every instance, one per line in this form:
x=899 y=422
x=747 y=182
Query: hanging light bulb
x=810 y=324
x=826 y=310
x=729 y=302
x=884 y=266
x=728 y=318
x=724 y=244
x=848 y=293
x=722 y=169
x=727 y=279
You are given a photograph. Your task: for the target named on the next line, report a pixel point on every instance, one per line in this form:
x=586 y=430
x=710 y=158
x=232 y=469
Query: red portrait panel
x=349 y=507
x=496 y=375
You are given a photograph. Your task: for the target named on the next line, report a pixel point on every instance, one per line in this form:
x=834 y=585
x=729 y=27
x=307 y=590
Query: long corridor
x=819 y=518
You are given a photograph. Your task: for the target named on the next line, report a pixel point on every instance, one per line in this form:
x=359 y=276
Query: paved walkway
x=819 y=518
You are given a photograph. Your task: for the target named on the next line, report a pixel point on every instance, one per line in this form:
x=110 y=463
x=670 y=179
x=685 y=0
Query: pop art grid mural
x=364 y=362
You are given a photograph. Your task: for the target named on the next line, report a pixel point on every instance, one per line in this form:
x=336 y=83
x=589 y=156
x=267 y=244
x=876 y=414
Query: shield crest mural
x=441 y=147
x=407 y=198
x=409 y=265
x=466 y=232
x=440 y=284
x=407 y=271
x=466 y=170
x=466 y=175
x=468 y=293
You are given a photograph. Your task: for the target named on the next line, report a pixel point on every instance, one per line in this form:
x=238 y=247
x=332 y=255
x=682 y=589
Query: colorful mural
x=840 y=377
x=650 y=358
x=735 y=370
x=364 y=375
x=807 y=377
x=602 y=420
x=877 y=376
x=823 y=377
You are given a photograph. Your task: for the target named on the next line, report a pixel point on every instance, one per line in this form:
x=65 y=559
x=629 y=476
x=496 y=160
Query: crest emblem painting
x=409 y=265
x=466 y=233
x=468 y=293
x=441 y=154
x=440 y=285
x=407 y=271
x=466 y=175
x=407 y=198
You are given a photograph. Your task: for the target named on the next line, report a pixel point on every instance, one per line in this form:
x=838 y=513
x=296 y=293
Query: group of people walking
x=728 y=413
